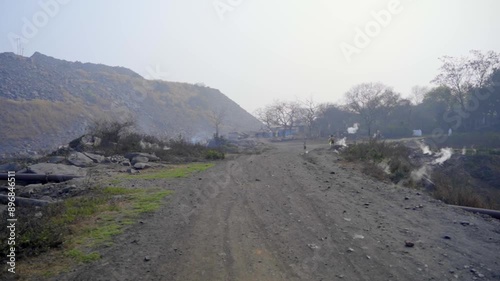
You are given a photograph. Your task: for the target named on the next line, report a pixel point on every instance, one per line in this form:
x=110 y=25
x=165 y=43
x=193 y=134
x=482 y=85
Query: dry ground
x=286 y=215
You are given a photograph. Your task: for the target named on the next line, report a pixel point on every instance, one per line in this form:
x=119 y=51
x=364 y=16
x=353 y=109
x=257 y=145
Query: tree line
x=465 y=98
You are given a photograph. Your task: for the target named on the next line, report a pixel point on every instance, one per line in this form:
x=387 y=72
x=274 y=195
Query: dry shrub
x=452 y=192
x=375 y=152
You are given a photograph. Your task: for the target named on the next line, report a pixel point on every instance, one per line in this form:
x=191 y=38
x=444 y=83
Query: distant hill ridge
x=46 y=102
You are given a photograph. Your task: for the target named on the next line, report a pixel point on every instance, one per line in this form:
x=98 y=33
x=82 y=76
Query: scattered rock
x=139 y=159
x=126 y=163
x=332 y=173
x=141 y=166
x=56 y=159
x=10 y=167
x=147 y=258
x=257 y=179
x=56 y=169
x=46 y=198
x=447 y=237
x=409 y=244
x=95 y=157
x=132 y=155
x=80 y=160
x=350 y=250
x=464 y=223
x=117 y=159
x=132 y=171
x=313 y=246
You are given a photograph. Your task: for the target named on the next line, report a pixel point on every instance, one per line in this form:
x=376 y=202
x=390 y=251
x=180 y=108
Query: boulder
x=139 y=159
x=117 y=159
x=10 y=167
x=95 y=157
x=56 y=169
x=80 y=160
x=132 y=155
x=141 y=166
x=132 y=171
x=56 y=159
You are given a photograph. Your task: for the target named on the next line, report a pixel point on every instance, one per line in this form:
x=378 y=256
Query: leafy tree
x=373 y=102
x=333 y=118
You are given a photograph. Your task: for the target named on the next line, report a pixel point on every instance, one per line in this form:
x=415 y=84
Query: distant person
x=331 y=140
x=377 y=135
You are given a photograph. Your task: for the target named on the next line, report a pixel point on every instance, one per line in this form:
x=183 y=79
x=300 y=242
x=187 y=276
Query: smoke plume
x=443 y=155
x=353 y=129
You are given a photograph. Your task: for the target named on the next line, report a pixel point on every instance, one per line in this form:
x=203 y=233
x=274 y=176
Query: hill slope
x=47 y=102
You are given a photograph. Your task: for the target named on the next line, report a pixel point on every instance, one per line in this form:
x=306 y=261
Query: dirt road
x=286 y=215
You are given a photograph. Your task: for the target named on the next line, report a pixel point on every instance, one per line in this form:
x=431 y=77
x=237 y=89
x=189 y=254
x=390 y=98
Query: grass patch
x=115 y=182
x=67 y=231
x=149 y=202
x=179 y=171
x=82 y=257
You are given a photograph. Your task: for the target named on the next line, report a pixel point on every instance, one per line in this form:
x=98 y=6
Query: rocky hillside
x=46 y=102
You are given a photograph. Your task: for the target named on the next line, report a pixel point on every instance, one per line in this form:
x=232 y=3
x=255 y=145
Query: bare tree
x=267 y=116
x=463 y=74
x=371 y=101
x=418 y=94
x=310 y=111
x=280 y=113
x=286 y=113
x=217 y=117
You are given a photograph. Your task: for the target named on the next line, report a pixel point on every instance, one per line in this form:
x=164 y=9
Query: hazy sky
x=259 y=50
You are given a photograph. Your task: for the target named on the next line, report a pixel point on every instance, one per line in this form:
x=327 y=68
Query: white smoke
x=423 y=171
x=464 y=151
x=443 y=155
x=385 y=167
x=341 y=142
x=353 y=129
x=425 y=149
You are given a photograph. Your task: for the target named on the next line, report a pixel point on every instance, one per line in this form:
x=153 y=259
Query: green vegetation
x=118 y=137
x=213 y=154
x=472 y=180
x=82 y=222
x=382 y=159
x=69 y=230
x=81 y=257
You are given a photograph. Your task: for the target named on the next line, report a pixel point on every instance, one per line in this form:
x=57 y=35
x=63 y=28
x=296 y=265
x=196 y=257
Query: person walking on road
x=331 y=140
